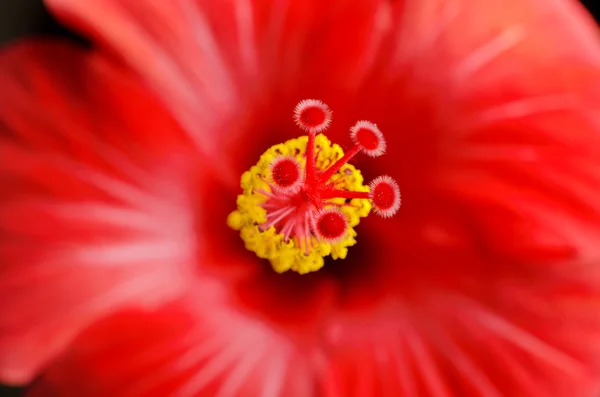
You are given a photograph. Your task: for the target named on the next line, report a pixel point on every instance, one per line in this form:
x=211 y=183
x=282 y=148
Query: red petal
x=530 y=341
x=180 y=350
x=92 y=215
x=443 y=344
x=215 y=63
x=492 y=110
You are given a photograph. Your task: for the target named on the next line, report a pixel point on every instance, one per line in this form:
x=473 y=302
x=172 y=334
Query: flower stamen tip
x=330 y=225
x=385 y=194
x=312 y=115
x=369 y=138
x=286 y=174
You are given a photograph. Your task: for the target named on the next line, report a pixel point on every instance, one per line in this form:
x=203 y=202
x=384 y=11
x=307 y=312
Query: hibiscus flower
x=121 y=271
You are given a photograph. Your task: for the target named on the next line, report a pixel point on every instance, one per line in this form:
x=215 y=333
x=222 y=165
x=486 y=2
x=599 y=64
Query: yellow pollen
x=253 y=206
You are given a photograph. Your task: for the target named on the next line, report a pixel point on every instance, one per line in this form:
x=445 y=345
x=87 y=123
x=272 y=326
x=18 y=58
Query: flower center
x=302 y=200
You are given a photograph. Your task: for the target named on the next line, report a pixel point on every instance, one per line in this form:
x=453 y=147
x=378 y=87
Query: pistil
x=301 y=204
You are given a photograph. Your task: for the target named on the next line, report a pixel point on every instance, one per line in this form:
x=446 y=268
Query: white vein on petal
x=210 y=52
x=222 y=361
x=126 y=192
x=527 y=107
x=381 y=29
x=110 y=154
x=132 y=287
x=518 y=371
x=274 y=375
x=402 y=359
x=521 y=337
x=487 y=53
x=244 y=14
x=279 y=11
x=165 y=76
x=98 y=213
x=115 y=158
x=471 y=372
x=204 y=350
x=528 y=206
x=425 y=363
x=240 y=372
x=192 y=354
x=409 y=47
x=118 y=253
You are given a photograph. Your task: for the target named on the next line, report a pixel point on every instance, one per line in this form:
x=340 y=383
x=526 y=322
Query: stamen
x=299 y=206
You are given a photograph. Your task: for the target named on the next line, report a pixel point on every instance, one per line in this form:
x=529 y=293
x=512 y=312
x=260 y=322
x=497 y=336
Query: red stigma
x=366 y=135
x=330 y=225
x=367 y=139
x=312 y=115
x=385 y=195
x=286 y=174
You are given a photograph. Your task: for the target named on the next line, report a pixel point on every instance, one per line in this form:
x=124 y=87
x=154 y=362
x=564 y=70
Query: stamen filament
x=307 y=230
x=287 y=229
x=324 y=177
x=335 y=193
x=284 y=210
x=265 y=193
x=282 y=215
x=311 y=159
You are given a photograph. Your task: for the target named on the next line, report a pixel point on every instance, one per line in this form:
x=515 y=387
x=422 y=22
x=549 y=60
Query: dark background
x=24 y=17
